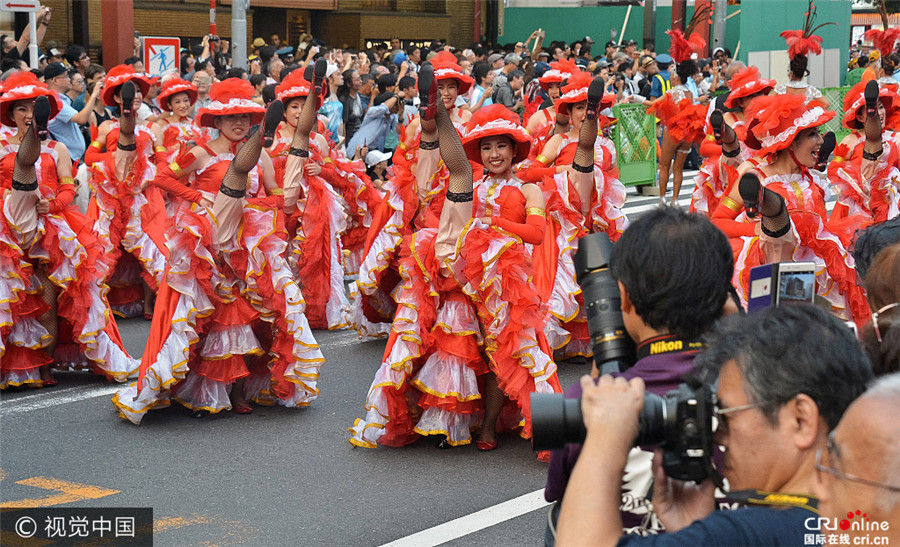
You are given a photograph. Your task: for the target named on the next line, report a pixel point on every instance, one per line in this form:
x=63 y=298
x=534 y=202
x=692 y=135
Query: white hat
x=375 y=157
x=332 y=68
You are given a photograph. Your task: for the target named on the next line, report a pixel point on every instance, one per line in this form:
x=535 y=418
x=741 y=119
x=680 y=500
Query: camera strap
x=667 y=343
x=758 y=497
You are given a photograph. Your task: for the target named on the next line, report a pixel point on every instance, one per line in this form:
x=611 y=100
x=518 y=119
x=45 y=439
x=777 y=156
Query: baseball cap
x=611 y=44
x=53 y=70
x=494 y=57
x=588 y=40
x=717 y=50
x=629 y=43
x=259 y=42
x=664 y=59
x=374 y=157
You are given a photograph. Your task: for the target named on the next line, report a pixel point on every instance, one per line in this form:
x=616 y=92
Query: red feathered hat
x=574 y=92
x=446 y=68
x=228 y=97
x=23 y=86
x=745 y=83
x=492 y=120
x=559 y=72
x=117 y=76
x=681 y=48
x=855 y=99
x=774 y=120
x=294 y=85
x=804 y=41
x=174 y=86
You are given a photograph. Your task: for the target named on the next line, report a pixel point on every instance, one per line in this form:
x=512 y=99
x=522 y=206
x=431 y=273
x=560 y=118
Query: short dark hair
x=257 y=79
x=131 y=60
x=515 y=74
x=385 y=81
x=268 y=94
x=236 y=72
x=92 y=70
x=406 y=82
x=677 y=269
x=74 y=53
x=686 y=69
x=382 y=97
x=480 y=70
x=785 y=351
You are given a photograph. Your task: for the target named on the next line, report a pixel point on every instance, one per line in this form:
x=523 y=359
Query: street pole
x=32 y=35
x=239 y=33
x=719 y=29
x=649 y=23
x=212 y=18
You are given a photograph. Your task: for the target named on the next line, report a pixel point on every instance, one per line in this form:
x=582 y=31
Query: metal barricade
x=635 y=138
x=835 y=96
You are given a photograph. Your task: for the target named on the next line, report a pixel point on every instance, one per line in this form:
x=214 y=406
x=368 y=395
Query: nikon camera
x=680 y=423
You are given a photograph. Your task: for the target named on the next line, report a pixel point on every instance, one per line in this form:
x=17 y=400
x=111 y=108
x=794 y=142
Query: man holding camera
x=673 y=272
x=785 y=377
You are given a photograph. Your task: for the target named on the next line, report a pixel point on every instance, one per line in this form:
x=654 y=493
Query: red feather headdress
x=804 y=41
x=884 y=39
x=682 y=48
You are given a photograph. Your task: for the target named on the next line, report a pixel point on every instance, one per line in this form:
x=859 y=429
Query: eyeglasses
x=831 y=449
x=876 y=314
x=721 y=414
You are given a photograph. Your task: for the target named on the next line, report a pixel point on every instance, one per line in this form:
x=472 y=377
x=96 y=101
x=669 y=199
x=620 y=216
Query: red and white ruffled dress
x=876 y=197
x=432 y=376
x=566 y=328
x=315 y=231
x=229 y=308
x=178 y=135
x=413 y=200
x=684 y=120
x=716 y=171
x=132 y=218
x=62 y=243
x=813 y=241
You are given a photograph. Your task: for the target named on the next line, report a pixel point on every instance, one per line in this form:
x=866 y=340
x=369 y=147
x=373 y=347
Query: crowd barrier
x=634 y=135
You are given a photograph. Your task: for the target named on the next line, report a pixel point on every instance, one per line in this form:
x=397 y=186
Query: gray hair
x=888 y=389
x=512 y=58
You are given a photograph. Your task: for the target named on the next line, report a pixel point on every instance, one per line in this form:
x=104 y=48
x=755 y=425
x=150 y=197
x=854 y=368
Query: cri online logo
x=856 y=521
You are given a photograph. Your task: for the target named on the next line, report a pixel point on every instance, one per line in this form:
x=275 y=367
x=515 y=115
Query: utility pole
x=649 y=23
x=239 y=33
x=719 y=28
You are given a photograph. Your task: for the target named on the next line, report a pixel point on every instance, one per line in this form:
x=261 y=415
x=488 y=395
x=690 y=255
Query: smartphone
x=137 y=34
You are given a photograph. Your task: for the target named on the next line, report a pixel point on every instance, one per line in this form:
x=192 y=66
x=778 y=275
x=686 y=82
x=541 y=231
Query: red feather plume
x=804 y=41
x=884 y=40
x=681 y=48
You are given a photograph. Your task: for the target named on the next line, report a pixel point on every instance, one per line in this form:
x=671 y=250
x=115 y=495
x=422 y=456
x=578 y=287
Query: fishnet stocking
x=452 y=153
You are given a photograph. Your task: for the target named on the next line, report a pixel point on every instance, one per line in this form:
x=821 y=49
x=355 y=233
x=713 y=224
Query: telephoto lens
x=602 y=303
x=557 y=421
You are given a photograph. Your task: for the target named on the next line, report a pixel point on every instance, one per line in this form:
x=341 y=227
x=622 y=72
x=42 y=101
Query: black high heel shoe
x=274 y=115
x=427 y=92
x=752 y=193
x=595 y=95
x=127 y=93
x=41 y=116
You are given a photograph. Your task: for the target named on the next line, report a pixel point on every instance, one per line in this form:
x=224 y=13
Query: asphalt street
x=275 y=477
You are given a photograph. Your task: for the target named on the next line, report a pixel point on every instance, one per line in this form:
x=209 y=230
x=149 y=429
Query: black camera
x=680 y=422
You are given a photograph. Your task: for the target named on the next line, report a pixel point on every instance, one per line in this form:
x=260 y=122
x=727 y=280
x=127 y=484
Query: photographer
x=785 y=377
x=677 y=303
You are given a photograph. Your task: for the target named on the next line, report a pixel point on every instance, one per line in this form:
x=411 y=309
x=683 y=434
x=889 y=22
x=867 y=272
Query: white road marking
x=479 y=520
x=37 y=402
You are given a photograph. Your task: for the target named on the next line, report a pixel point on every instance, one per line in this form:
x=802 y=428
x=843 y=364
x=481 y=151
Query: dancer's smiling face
x=180 y=104
x=861 y=114
x=806 y=146
x=21 y=114
x=553 y=91
x=293 y=109
x=233 y=127
x=448 y=90
x=497 y=154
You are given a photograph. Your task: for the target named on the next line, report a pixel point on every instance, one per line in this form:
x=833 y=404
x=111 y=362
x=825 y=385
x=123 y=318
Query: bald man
x=859 y=471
